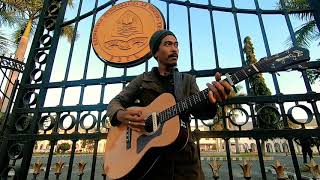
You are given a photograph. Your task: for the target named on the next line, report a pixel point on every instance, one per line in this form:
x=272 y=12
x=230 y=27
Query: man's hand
x=132 y=118
x=219 y=90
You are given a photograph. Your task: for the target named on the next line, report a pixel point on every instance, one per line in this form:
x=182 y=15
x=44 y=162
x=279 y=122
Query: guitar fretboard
x=271 y=63
x=202 y=96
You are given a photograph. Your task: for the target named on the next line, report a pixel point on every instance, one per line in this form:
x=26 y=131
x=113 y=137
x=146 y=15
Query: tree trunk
x=19 y=55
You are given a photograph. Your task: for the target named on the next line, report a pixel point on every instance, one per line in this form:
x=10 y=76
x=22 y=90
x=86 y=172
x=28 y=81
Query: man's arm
x=123 y=100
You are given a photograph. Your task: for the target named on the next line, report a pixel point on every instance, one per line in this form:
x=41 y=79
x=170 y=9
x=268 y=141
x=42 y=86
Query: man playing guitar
x=145 y=88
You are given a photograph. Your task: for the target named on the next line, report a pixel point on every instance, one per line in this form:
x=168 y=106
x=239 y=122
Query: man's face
x=168 y=51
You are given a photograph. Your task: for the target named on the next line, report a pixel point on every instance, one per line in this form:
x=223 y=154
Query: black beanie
x=156 y=38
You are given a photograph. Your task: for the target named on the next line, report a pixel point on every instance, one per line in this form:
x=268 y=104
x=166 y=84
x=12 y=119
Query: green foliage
x=308 y=31
x=88 y=142
x=269 y=119
x=313 y=75
x=63 y=147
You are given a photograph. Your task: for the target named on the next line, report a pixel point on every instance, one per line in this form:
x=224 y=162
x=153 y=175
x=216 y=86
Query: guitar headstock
x=284 y=59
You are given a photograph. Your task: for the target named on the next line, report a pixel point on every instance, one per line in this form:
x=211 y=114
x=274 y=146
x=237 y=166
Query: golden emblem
x=121 y=36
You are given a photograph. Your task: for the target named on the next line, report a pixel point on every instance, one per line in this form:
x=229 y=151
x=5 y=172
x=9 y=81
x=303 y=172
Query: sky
x=202 y=41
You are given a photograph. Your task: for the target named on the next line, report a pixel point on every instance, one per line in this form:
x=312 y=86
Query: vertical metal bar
x=71 y=159
x=260 y=153
x=90 y=41
x=6 y=114
x=94 y=159
x=234 y=13
x=190 y=35
x=243 y=62
x=9 y=84
x=70 y=53
x=64 y=89
x=168 y=14
x=4 y=95
x=315 y=4
x=214 y=41
x=294 y=41
x=226 y=140
x=28 y=147
x=316 y=112
x=94 y=156
x=284 y=117
x=228 y=158
x=263 y=31
x=266 y=44
x=46 y=174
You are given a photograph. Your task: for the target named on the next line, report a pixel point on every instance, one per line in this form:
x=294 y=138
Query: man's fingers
x=134 y=112
x=215 y=92
x=227 y=86
x=137 y=123
x=221 y=90
x=211 y=97
x=217 y=76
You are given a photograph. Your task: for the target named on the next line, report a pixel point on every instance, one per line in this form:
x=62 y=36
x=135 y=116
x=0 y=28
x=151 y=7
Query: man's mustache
x=173 y=55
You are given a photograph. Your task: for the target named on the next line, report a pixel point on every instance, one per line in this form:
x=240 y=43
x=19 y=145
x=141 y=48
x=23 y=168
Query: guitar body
x=130 y=154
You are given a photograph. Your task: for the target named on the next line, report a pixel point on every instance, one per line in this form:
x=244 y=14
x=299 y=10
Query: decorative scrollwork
x=10 y=63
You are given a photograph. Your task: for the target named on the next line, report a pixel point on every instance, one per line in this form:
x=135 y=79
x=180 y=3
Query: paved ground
x=224 y=174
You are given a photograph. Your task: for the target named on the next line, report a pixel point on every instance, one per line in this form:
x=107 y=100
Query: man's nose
x=174 y=48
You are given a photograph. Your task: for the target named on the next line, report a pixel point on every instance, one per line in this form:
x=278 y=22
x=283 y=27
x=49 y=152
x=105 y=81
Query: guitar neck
x=268 y=64
x=202 y=96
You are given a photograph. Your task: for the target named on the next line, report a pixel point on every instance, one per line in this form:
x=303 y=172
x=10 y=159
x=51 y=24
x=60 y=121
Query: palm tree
x=29 y=11
x=306 y=33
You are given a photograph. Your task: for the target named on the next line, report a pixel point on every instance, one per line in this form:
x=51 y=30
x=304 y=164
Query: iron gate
x=32 y=121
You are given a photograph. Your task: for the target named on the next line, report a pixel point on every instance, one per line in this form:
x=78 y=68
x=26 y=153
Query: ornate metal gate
x=33 y=121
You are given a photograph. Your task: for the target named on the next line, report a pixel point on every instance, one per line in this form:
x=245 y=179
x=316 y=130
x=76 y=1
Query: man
x=306 y=148
x=141 y=91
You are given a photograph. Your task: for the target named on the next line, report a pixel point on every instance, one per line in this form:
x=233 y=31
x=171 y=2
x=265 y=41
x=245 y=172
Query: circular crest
x=121 y=36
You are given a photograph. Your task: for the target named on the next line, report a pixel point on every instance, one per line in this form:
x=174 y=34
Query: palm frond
x=304 y=35
x=71 y=3
x=7 y=18
x=313 y=75
x=291 y=5
x=19 y=32
x=68 y=31
x=6 y=43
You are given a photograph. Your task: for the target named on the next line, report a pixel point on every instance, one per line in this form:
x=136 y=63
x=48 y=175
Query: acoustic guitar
x=130 y=154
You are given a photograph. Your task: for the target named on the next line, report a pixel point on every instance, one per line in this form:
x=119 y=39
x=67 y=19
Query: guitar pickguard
x=143 y=140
